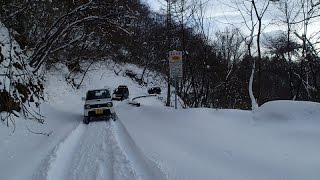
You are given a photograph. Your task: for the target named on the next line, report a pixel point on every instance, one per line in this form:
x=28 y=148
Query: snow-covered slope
x=278 y=141
x=19 y=87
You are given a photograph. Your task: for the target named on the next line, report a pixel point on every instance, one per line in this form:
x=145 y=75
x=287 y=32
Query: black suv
x=154 y=90
x=121 y=93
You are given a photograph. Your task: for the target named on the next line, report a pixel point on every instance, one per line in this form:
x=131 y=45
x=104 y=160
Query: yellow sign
x=175 y=64
x=175 y=56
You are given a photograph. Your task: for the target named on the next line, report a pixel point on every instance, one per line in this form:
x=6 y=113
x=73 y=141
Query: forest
x=234 y=67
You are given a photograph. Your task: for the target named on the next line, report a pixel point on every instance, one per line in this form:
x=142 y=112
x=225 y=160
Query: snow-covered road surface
x=100 y=150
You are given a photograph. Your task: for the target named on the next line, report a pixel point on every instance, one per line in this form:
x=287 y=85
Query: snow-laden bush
x=19 y=87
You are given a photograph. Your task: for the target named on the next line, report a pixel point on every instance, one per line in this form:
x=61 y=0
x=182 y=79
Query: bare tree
x=246 y=10
x=310 y=12
x=229 y=45
x=290 y=12
x=84 y=23
x=252 y=12
x=259 y=12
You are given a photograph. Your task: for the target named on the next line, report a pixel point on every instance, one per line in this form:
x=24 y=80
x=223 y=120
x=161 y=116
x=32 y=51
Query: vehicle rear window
x=118 y=91
x=98 y=94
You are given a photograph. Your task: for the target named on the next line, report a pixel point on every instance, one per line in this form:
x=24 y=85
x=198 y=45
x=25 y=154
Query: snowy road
x=100 y=150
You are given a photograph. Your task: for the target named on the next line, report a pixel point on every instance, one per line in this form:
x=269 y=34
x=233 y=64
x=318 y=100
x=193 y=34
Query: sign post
x=176 y=70
x=1 y=56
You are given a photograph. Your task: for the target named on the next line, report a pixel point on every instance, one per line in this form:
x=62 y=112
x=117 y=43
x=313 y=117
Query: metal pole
x=175 y=93
x=169 y=48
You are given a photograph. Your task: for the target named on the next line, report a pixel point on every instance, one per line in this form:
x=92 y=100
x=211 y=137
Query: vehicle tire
x=86 y=120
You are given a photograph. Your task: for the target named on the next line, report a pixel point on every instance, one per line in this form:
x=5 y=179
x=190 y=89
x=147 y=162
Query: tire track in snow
x=80 y=155
x=144 y=167
x=92 y=160
x=122 y=166
x=62 y=154
x=100 y=150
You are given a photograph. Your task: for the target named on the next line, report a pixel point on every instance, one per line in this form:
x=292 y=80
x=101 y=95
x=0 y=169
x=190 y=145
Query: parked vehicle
x=121 y=93
x=154 y=90
x=98 y=104
x=131 y=74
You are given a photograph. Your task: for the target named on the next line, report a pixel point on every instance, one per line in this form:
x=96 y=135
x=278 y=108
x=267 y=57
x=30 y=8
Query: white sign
x=175 y=64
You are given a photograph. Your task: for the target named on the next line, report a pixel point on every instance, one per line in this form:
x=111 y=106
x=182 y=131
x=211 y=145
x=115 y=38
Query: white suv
x=98 y=103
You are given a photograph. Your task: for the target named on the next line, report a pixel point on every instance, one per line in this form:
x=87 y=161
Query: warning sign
x=175 y=64
x=175 y=56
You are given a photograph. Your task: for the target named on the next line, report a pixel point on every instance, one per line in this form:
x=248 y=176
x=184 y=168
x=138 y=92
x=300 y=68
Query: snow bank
x=285 y=110
x=227 y=144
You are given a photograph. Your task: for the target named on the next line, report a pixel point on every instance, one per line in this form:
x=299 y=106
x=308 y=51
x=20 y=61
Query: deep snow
x=230 y=144
x=279 y=140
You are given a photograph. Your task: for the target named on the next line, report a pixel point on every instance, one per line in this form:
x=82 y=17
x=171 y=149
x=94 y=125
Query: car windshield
x=98 y=94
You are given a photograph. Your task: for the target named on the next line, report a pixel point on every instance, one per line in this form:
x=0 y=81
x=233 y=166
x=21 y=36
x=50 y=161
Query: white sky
x=154 y=4
x=217 y=12
x=219 y=15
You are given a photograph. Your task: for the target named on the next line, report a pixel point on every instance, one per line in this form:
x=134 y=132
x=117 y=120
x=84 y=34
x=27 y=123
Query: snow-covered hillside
x=277 y=141
x=19 y=87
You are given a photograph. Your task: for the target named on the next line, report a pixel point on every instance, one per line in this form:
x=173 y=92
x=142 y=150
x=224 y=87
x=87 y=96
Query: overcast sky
x=155 y=5
x=216 y=11
x=219 y=15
